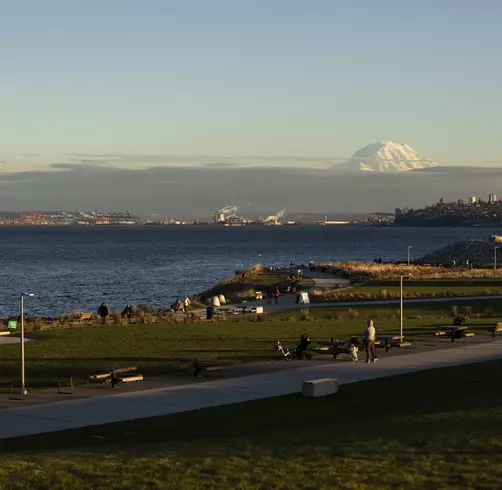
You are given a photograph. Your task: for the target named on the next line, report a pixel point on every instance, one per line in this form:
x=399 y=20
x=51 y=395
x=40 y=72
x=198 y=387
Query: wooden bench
x=85 y=317
x=495 y=329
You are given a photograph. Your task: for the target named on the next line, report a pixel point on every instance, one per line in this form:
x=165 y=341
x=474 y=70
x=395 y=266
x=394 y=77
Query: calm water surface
x=76 y=268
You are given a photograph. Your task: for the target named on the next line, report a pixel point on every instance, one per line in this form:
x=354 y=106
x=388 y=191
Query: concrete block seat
x=320 y=387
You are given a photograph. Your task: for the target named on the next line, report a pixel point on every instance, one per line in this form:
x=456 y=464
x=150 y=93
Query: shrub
x=466 y=311
x=488 y=312
x=305 y=314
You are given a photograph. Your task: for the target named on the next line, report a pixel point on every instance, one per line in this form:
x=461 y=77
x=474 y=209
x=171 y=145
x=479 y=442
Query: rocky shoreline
x=469 y=253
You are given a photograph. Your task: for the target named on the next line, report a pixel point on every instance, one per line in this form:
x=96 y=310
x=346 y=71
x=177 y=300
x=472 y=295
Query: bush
x=305 y=314
x=489 y=312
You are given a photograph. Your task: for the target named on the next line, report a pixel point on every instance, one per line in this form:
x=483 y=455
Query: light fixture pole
x=23 y=384
x=495 y=258
x=401 y=316
x=409 y=249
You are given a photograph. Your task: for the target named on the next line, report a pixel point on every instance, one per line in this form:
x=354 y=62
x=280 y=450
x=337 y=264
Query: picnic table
x=391 y=340
x=116 y=375
x=197 y=364
x=456 y=331
x=333 y=347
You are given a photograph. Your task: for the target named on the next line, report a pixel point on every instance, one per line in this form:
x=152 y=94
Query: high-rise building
x=492 y=198
x=472 y=200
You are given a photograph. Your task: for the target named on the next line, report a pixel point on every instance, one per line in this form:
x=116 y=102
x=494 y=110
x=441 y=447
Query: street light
x=409 y=248
x=401 y=304
x=495 y=257
x=23 y=385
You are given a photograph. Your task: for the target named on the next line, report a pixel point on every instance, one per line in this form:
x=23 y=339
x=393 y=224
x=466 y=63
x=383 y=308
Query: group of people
x=273 y=293
x=181 y=304
x=103 y=312
x=127 y=312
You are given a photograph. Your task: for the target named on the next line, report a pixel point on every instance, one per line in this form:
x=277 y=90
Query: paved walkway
x=50 y=417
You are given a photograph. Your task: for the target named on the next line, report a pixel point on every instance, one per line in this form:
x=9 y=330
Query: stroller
x=299 y=352
x=281 y=350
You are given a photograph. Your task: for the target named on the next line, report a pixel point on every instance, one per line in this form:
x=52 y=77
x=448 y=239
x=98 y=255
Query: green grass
x=152 y=348
x=438 y=429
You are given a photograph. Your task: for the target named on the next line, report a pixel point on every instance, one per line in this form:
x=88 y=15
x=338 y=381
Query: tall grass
x=360 y=271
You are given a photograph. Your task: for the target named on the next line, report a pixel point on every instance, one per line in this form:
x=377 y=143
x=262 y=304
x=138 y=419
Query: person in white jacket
x=369 y=341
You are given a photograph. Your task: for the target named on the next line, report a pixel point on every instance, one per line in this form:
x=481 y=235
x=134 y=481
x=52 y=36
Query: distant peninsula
x=475 y=212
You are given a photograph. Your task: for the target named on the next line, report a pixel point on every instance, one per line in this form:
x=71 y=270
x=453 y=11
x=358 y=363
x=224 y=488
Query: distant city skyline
x=292 y=83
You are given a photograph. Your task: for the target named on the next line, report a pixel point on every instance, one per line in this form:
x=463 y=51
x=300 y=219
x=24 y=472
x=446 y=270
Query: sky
x=136 y=84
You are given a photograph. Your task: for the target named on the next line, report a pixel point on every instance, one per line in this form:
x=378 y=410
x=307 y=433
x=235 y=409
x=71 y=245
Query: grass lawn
x=152 y=348
x=438 y=429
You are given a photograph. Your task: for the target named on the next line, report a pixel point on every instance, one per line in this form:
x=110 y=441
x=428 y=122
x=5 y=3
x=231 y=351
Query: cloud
x=220 y=164
x=189 y=191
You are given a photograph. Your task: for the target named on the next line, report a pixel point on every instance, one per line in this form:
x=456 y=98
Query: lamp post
x=23 y=384
x=401 y=305
x=495 y=258
x=409 y=249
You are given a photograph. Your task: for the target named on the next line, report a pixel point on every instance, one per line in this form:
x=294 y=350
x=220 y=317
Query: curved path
x=288 y=301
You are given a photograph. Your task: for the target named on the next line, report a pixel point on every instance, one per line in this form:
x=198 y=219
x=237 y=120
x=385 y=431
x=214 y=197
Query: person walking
x=186 y=301
x=369 y=341
x=276 y=295
x=270 y=293
x=127 y=313
x=103 y=312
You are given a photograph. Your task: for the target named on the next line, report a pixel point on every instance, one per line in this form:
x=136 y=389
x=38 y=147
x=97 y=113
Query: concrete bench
x=495 y=329
x=320 y=387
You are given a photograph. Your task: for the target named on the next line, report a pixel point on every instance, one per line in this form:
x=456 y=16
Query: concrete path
x=50 y=417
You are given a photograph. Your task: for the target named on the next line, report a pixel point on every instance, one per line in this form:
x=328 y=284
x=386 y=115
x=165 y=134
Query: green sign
x=12 y=324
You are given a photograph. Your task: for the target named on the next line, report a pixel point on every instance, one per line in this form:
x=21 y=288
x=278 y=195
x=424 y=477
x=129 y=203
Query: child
x=354 y=349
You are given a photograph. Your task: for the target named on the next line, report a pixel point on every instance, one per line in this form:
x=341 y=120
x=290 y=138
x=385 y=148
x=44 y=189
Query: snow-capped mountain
x=385 y=156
